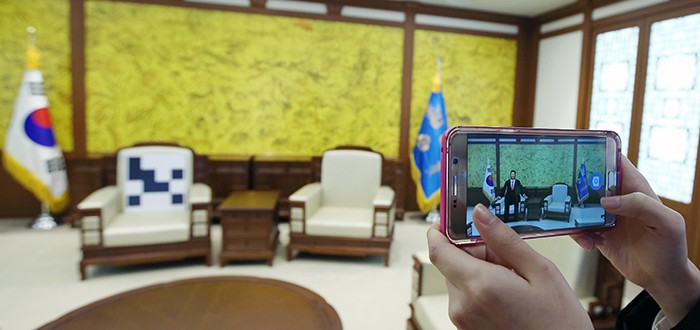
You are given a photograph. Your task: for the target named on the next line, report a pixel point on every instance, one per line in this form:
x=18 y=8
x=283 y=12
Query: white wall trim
x=375 y=14
x=562 y=23
x=460 y=23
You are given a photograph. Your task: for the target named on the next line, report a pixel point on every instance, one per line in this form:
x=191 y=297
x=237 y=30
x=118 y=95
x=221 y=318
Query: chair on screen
x=499 y=208
x=558 y=204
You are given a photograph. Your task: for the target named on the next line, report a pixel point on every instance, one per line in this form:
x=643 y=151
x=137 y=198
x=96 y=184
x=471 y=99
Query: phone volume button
x=454 y=186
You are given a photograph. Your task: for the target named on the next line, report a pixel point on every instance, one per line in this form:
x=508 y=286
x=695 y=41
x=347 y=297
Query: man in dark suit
x=512 y=189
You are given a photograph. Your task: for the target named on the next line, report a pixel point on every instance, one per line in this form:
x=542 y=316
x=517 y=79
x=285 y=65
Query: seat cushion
x=430 y=312
x=147 y=228
x=557 y=207
x=341 y=222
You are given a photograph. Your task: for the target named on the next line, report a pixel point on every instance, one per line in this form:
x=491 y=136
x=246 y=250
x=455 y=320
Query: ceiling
x=529 y=8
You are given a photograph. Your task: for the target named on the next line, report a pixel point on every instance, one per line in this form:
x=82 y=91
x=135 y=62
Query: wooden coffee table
x=248 y=226
x=222 y=302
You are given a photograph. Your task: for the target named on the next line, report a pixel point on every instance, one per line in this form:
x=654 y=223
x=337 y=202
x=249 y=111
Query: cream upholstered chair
x=429 y=299
x=155 y=212
x=348 y=212
x=558 y=204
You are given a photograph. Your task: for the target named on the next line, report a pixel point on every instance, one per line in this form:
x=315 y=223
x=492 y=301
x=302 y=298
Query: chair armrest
x=200 y=193
x=97 y=210
x=427 y=279
x=303 y=203
x=384 y=197
x=200 y=202
x=384 y=212
x=105 y=199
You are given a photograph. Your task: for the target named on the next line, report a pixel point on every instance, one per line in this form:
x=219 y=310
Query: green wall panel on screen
x=50 y=17
x=479 y=156
x=478 y=78
x=231 y=83
x=537 y=165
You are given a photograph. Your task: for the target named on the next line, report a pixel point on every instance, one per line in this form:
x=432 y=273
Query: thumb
x=505 y=243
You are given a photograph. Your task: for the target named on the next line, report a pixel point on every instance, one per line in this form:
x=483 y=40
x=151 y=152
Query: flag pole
x=434 y=215
x=45 y=220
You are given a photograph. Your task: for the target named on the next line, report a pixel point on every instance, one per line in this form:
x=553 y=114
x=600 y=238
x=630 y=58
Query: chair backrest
x=350 y=178
x=559 y=192
x=578 y=266
x=154 y=178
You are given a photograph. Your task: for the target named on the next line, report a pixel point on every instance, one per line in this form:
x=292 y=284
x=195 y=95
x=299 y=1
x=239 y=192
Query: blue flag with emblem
x=425 y=157
x=582 y=184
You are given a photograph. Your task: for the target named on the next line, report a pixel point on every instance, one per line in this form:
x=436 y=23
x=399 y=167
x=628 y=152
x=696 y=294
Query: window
x=668 y=142
x=613 y=82
x=667 y=137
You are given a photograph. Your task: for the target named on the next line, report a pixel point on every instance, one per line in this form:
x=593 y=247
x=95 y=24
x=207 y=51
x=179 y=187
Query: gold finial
x=32 y=51
x=437 y=81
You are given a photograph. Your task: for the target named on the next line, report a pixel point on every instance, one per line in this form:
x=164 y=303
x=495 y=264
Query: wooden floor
x=219 y=302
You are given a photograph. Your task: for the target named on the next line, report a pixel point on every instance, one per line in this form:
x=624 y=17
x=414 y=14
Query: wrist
x=679 y=294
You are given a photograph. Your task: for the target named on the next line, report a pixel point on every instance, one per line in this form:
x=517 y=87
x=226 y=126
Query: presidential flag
x=487 y=187
x=582 y=184
x=425 y=158
x=31 y=154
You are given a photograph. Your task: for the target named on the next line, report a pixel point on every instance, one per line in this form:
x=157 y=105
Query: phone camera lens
x=455 y=160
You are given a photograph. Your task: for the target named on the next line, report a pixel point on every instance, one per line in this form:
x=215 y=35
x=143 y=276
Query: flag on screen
x=582 y=184
x=31 y=154
x=425 y=158
x=487 y=188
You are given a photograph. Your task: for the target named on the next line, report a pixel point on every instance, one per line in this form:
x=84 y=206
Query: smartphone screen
x=540 y=182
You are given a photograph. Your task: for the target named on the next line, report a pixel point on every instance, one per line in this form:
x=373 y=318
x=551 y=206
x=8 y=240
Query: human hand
x=648 y=245
x=503 y=284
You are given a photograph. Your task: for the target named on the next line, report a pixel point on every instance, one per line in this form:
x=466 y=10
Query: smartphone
x=540 y=182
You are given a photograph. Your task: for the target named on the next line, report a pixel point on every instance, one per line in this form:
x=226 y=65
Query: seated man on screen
x=512 y=191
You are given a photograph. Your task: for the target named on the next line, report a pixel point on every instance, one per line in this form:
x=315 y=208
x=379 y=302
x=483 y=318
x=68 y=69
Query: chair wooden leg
x=289 y=253
x=83 y=271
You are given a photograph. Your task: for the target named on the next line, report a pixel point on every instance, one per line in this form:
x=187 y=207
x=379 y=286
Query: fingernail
x=483 y=215
x=612 y=202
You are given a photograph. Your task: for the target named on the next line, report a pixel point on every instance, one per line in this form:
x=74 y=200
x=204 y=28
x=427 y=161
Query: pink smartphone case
x=443 y=189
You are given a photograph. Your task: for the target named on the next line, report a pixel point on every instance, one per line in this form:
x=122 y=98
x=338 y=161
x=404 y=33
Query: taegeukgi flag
x=487 y=187
x=31 y=154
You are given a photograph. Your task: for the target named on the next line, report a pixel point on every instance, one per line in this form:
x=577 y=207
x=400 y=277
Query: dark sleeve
x=641 y=312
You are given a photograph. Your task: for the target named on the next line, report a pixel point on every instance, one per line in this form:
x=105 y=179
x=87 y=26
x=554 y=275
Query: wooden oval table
x=224 y=302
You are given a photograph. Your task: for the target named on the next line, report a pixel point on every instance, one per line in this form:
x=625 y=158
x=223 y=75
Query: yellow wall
x=478 y=76
x=232 y=83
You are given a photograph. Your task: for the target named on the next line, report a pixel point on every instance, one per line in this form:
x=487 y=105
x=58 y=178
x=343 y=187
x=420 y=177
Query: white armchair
x=558 y=204
x=348 y=212
x=155 y=212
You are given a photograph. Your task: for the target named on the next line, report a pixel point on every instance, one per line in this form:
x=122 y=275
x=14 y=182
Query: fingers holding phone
x=504 y=274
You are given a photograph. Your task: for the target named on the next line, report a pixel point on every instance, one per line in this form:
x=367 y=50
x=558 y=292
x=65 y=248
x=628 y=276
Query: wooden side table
x=248 y=226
